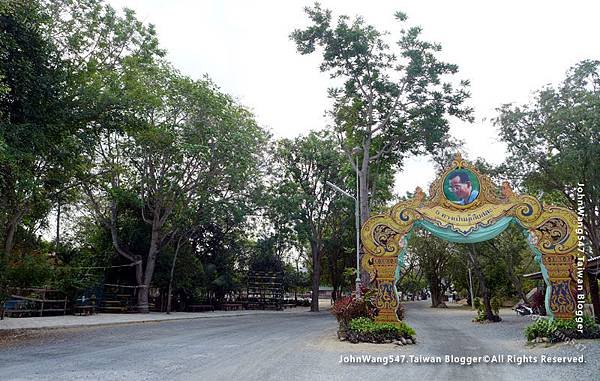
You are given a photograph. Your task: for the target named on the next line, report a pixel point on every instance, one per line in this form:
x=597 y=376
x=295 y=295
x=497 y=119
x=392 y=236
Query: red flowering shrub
x=348 y=308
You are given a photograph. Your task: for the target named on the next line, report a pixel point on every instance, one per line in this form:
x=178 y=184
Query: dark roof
x=537 y=275
x=592 y=266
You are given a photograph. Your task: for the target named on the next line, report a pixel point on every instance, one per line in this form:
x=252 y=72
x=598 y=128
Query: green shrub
x=29 y=271
x=540 y=328
x=562 y=330
x=367 y=325
x=495 y=302
x=366 y=330
x=361 y=324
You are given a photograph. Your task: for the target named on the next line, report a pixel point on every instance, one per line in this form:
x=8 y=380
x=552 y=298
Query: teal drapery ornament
x=479 y=235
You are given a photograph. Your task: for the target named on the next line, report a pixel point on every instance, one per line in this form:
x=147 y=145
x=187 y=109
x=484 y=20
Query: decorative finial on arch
x=419 y=194
x=506 y=191
x=458 y=161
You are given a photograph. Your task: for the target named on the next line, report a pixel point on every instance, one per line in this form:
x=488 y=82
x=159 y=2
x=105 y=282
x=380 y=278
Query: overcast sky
x=507 y=49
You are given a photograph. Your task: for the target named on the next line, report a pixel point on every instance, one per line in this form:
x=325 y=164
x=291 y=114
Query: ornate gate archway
x=466 y=207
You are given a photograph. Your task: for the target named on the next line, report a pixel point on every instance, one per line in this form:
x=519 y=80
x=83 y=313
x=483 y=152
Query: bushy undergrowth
x=348 y=308
x=562 y=330
x=495 y=303
x=355 y=318
x=366 y=330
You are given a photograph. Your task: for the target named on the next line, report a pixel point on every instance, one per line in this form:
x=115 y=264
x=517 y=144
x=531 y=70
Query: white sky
x=507 y=49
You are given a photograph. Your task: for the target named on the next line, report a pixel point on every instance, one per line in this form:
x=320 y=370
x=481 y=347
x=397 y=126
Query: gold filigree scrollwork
x=554 y=231
x=380 y=235
x=405 y=215
x=527 y=209
x=386 y=238
x=386 y=297
x=562 y=302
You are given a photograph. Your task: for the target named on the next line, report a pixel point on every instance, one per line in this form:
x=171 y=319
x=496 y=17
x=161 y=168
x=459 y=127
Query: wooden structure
x=264 y=290
x=201 y=307
x=34 y=302
x=118 y=298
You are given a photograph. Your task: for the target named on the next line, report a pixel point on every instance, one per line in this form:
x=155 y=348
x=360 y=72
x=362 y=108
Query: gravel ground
x=505 y=337
x=290 y=346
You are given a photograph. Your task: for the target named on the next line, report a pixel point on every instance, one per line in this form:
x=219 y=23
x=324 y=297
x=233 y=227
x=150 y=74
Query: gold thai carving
x=464 y=200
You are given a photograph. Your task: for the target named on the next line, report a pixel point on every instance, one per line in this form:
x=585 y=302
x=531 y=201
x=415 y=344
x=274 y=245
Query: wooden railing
x=30 y=301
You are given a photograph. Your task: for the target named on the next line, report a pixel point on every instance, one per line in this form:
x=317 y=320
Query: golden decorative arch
x=463 y=202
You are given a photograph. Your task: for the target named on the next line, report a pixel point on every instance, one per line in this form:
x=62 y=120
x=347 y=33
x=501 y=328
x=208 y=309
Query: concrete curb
x=107 y=323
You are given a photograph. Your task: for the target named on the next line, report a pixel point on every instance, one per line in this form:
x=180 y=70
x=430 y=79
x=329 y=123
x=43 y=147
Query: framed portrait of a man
x=461 y=187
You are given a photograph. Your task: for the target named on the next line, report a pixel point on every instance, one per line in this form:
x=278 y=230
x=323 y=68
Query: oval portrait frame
x=466 y=177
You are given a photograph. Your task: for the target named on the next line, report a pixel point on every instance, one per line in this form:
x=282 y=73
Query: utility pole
x=471 y=289
x=357 y=224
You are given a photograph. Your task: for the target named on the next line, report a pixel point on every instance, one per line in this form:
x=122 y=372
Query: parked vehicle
x=523 y=309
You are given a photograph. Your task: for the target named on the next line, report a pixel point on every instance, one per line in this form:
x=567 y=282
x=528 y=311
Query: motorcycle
x=523 y=309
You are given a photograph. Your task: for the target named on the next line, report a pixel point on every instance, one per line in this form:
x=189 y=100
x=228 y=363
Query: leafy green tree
x=303 y=166
x=435 y=257
x=512 y=248
x=179 y=272
x=58 y=60
x=179 y=156
x=412 y=282
x=38 y=150
x=553 y=145
x=295 y=280
x=392 y=101
x=339 y=249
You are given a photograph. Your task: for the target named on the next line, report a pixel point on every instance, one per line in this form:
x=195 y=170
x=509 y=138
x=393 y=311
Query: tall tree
x=304 y=165
x=178 y=156
x=38 y=151
x=58 y=59
x=435 y=257
x=391 y=101
x=511 y=247
x=554 y=145
x=340 y=245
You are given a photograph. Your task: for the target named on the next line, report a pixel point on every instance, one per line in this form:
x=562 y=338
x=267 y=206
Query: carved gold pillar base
x=386 y=297
x=560 y=273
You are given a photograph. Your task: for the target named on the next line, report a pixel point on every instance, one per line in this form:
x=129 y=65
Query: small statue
x=506 y=191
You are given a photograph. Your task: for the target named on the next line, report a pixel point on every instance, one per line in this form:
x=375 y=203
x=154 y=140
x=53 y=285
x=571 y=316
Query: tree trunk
x=295 y=289
x=469 y=296
x=314 y=303
x=595 y=296
x=511 y=273
x=11 y=229
x=333 y=274
x=489 y=314
x=149 y=271
x=436 y=295
x=519 y=286
x=516 y=280
x=169 y=293
x=58 y=208
x=363 y=177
